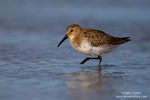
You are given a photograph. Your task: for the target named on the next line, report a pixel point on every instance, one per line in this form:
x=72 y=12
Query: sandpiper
x=92 y=41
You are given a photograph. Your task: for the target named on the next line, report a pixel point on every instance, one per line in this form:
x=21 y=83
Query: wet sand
x=33 y=68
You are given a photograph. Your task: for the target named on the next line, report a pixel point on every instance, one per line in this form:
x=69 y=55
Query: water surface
x=33 y=68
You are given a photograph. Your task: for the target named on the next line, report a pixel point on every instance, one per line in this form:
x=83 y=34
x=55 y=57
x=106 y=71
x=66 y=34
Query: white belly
x=87 y=48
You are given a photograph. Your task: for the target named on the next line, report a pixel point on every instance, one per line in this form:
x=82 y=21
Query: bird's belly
x=88 y=49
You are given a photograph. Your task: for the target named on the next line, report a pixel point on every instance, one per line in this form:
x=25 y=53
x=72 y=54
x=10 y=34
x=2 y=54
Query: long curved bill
x=65 y=37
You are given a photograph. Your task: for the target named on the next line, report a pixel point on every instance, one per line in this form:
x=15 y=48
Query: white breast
x=86 y=48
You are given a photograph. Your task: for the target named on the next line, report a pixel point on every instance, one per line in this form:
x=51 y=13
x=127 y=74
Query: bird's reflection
x=85 y=81
x=88 y=81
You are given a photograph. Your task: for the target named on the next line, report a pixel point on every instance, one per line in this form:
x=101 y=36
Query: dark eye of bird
x=71 y=30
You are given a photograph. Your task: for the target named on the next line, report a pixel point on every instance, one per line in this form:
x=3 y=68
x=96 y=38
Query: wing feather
x=100 y=38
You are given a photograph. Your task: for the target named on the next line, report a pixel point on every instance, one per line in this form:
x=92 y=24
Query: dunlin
x=92 y=42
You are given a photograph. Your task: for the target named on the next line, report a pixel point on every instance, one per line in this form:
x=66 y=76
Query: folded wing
x=100 y=38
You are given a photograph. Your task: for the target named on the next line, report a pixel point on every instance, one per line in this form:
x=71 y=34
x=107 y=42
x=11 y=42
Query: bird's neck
x=75 y=41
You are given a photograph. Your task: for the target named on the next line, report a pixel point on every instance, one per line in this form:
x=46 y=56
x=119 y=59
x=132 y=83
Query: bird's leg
x=88 y=58
x=99 y=65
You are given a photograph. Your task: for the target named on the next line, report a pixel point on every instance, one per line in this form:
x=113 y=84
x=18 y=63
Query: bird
x=93 y=42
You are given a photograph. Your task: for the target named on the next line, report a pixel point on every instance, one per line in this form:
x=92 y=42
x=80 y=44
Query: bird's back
x=100 y=38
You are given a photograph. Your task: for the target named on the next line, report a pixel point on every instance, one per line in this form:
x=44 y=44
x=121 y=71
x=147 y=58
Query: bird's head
x=71 y=32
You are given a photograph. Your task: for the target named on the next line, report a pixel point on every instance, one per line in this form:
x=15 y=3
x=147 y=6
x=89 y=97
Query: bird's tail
x=125 y=39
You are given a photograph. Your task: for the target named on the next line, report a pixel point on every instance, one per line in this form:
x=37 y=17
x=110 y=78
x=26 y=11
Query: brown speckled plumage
x=100 y=38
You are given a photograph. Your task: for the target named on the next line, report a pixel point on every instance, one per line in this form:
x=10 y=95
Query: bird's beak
x=65 y=37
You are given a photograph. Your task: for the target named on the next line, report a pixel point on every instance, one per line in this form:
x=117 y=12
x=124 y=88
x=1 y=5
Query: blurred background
x=33 y=68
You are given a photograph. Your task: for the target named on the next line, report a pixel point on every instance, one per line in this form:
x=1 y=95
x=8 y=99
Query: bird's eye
x=71 y=30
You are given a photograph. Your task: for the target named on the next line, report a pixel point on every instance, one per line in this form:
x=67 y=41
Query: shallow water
x=33 y=68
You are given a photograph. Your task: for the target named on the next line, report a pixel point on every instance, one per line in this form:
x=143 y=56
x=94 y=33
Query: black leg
x=88 y=58
x=99 y=65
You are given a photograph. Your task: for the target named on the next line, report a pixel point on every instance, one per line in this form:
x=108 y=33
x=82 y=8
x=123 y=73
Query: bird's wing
x=100 y=38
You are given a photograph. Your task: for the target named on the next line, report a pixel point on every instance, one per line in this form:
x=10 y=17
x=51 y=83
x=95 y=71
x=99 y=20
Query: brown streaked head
x=71 y=31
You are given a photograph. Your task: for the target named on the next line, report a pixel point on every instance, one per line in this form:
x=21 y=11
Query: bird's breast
x=86 y=48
